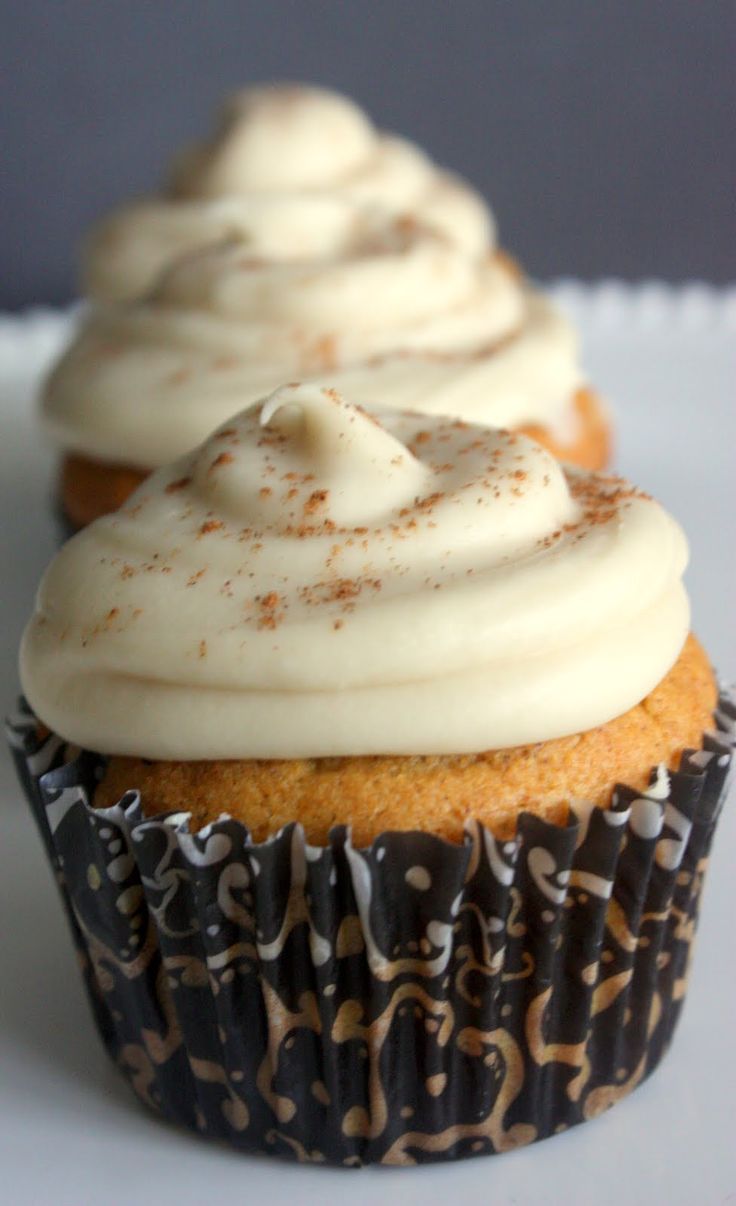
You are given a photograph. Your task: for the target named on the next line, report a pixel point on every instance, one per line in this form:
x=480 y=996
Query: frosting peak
x=363 y=472
x=317 y=580
x=275 y=149
x=307 y=461
x=277 y=137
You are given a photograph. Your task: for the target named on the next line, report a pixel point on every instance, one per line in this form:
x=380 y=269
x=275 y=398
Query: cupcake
x=394 y=774
x=281 y=253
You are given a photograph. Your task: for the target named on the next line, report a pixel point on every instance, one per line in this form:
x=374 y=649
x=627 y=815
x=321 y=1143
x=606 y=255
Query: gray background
x=602 y=133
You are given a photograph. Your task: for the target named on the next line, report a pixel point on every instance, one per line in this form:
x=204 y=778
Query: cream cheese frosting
x=274 y=146
x=393 y=314
x=319 y=580
x=299 y=243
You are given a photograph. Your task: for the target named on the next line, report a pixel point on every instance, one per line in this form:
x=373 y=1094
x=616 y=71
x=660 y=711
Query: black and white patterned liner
x=411 y=1002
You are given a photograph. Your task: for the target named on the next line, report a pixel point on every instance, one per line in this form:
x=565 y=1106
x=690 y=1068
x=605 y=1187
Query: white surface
x=70 y=1130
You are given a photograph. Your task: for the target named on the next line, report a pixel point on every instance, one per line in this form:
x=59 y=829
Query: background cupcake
x=300 y=242
x=256 y=602
x=279 y=143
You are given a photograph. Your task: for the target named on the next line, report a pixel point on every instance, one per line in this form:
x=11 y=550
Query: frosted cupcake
x=347 y=850
x=302 y=243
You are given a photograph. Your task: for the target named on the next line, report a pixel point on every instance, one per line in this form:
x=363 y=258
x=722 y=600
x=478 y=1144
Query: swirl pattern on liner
x=275 y=145
x=540 y=979
x=313 y=581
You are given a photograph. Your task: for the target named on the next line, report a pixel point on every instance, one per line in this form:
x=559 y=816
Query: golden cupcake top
x=320 y=580
x=273 y=145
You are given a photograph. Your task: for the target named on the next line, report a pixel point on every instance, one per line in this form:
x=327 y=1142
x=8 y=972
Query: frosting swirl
x=301 y=243
x=275 y=146
x=393 y=314
x=315 y=581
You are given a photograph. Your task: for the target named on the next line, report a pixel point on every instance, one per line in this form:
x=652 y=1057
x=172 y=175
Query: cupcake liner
x=411 y=1002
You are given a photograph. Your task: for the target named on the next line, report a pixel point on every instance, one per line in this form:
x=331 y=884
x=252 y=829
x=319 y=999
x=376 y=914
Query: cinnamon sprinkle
x=269 y=617
x=341 y=590
x=225 y=458
x=180 y=484
x=316 y=500
x=324 y=352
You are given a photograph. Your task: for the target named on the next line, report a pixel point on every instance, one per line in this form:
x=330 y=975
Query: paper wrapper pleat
x=410 y=1002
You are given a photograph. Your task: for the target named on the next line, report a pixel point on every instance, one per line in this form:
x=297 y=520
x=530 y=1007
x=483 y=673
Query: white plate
x=71 y=1131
